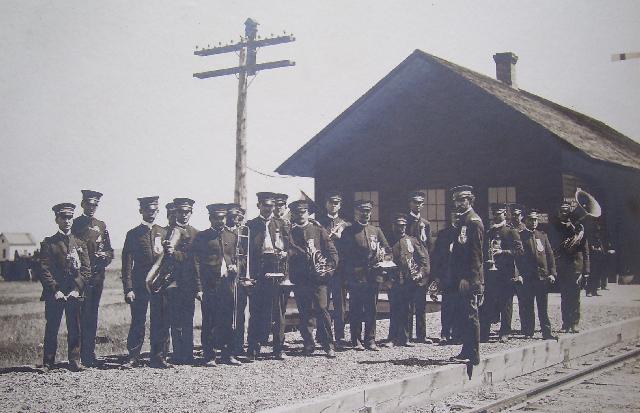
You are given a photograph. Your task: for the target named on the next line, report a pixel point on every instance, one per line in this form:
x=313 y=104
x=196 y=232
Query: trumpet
x=161 y=274
x=494 y=247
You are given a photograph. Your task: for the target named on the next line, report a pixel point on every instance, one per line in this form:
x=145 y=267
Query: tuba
x=161 y=274
x=320 y=266
x=585 y=206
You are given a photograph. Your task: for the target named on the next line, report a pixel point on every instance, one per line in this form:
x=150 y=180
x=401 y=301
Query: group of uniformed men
x=232 y=264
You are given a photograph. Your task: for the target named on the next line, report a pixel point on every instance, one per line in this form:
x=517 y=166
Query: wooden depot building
x=430 y=124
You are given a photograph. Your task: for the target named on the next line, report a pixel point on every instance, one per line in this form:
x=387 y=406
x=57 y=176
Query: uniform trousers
x=418 y=306
x=448 y=316
x=536 y=290
x=182 y=307
x=363 y=299
x=89 y=320
x=266 y=315
x=467 y=308
x=339 y=301
x=313 y=302
x=498 y=304
x=400 y=297
x=598 y=272
x=569 y=298
x=159 y=324
x=238 y=333
x=53 y=310
x=217 y=318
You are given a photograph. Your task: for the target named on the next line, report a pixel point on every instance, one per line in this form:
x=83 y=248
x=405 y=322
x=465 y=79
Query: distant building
x=430 y=124
x=16 y=252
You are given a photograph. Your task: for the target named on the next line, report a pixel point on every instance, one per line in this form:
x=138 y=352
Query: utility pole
x=625 y=56
x=247 y=48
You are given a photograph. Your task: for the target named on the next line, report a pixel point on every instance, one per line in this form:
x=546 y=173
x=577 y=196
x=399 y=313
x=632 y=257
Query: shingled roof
x=590 y=136
x=18 y=238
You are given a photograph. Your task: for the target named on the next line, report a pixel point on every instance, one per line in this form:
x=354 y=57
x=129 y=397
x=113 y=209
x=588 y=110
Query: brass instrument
x=380 y=265
x=336 y=231
x=161 y=274
x=274 y=262
x=585 y=206
x=494 y=247
x=244 y=275
x=320 y=265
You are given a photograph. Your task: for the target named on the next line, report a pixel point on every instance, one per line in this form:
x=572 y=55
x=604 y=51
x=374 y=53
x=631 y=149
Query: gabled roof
x=590 y=136
x=18 y=238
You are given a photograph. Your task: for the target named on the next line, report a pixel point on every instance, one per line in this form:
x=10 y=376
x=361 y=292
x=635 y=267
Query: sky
x=100 y=94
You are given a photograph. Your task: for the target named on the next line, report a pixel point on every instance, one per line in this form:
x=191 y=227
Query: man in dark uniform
x=502 y=247
x=516 y=222
x=571 y=248
x=599 y=256
x=334 y=225
x=171 y=215
x=311 y=281
x=440 y=270
x=181 y=292
x=420 y=229
x=64 y=273
x=235 y=224
x=267 y=256
x=94 y=233
x=364 y=245
x=538 y=269
x=279 y=216
x=412 y=260
x=214 y=252
x=142 y=248
x=465 y=267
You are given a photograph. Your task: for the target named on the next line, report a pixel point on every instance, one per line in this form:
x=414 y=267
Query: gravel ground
x=594 y=394
x=266 y=383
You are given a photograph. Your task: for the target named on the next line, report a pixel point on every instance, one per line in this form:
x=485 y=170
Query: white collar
x=266 y=219
x=332 y=216
x=364 y=225
x=66 y=234
x=414 y=215
x=464 y=212
x=147 y=224
x=85 y=215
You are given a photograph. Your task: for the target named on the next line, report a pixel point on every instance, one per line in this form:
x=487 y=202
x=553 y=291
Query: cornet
x=494 y=247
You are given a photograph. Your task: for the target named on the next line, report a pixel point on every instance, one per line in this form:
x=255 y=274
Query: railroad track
x=551 y=386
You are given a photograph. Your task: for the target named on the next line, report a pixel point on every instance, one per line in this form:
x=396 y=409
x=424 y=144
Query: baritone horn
x=161 y=274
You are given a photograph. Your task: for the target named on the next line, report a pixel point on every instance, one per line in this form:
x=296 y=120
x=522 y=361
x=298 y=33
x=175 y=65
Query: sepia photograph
x=303 y=206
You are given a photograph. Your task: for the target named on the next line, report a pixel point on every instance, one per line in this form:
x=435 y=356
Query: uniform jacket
x=537 y=262
x=94 y=233
x=184 y=273
x=358 y=243
x=257 y=229
x=208 y=249
x=466 y=252
x=299 y=261
x=142 y=246
x=64 y=265
x=440 y=265
x=420 y=229
x=511 y=245
x=569 y=259
x=409 y=247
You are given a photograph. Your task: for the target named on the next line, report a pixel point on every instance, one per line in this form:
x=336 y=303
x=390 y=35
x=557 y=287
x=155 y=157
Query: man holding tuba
x=142 y=248
x=214 y=252
x=412 y=259
x=181 y=291
x=502 y=247
x=312 y=261
x=572 y=262
x=365 y=247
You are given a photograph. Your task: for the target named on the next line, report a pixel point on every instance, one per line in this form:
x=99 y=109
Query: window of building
x=569 y=185
x=434 y=209
x=4 y=253
x=373 y=197
x=501 y=195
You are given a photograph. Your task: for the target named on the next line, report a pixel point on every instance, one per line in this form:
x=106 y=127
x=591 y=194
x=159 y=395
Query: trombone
x=243 y=277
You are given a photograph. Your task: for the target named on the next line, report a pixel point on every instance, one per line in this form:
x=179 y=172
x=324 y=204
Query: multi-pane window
x=569 y=185
x=434 y=209
x=373 y=197
x=501 y=195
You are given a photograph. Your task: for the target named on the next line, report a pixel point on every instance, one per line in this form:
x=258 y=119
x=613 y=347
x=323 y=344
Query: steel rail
x=525 y=395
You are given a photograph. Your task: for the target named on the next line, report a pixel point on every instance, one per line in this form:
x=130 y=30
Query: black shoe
x=232 y=361
x=93 y=363
x=48 y=366
x=160 y=364
x=358 y=346
x=549 y=337
x=372 y=347
x=75 y=366
x=280 y=355
x=308 y=350
x=423 y=340
x=461 y=358
x=596 y=294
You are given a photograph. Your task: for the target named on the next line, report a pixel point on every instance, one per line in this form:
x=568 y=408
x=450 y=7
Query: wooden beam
x=234 y=70
x=270 y=41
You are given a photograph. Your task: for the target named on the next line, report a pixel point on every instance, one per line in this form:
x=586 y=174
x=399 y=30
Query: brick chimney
x=506 y=68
